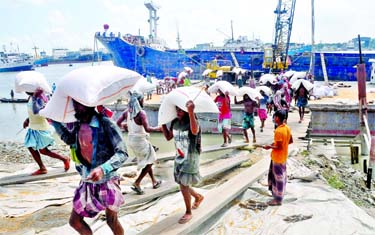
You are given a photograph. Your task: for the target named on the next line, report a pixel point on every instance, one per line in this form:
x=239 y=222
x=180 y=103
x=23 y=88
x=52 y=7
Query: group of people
x=98 y=151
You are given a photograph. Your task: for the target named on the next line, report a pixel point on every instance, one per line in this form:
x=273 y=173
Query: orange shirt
x=283 y=134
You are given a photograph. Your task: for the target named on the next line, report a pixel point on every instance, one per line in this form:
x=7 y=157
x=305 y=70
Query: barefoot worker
x=225 y=115
x=248 y=116
x=99 y=152
x=138 y=139
x=277 y=176
x=187 y=137
x=38 y=138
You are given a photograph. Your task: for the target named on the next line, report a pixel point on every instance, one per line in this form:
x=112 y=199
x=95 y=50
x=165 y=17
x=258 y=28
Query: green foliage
x=305 y=153
x=333 y=180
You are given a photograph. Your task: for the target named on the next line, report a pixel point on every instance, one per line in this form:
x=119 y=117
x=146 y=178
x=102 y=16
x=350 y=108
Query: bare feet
x=40 y=172
x=198 y=202
x=185 y=218
x=66 y=164
x=274 y=203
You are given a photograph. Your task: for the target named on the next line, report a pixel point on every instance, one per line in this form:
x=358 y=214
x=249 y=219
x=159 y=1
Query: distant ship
x=13 y=62
x=136 y=53
x=64 y=56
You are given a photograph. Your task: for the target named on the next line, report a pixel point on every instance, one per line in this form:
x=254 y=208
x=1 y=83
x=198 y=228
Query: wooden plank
x=214 y=201
x=24 y=178
x=207 y=172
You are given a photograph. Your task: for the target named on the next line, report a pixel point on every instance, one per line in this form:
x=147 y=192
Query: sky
x=72 y=24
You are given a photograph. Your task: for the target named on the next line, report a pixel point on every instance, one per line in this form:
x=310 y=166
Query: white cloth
x=138 y=142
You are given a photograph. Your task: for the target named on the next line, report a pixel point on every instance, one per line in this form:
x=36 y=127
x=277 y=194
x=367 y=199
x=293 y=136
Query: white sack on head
x=271 y=78
x=188 y=70
x=265 y=89
x=308 y=85
x=178 y=97
x=289 y=73
x=237 y=70
x=143 y=86
x=251 y=92
x=206 y=72
x=59 y=108
x=224 y=86
x=90 y=86
x=182 y=75
x=29 y=81
x=296 y=76
x=97 y=85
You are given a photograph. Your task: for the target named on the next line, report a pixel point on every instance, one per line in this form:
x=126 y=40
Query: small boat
x=9 y=100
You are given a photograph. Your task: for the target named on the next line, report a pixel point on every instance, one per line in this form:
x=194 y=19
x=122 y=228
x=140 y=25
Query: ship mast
x=152 y=20
x=312 y=57
x=178 y=39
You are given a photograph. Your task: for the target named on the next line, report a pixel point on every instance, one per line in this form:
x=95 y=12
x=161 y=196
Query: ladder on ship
x=234 y=59
x=324 y=69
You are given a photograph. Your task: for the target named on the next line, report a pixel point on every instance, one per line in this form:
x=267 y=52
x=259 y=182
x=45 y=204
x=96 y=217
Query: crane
x=275 y=58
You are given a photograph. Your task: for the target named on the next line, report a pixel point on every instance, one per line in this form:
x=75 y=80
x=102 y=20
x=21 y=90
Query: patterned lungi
x=89 y=199
x=277 y=178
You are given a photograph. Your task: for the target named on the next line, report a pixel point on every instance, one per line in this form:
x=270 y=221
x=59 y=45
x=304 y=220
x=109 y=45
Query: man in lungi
x=98 y=151
x=277 y=175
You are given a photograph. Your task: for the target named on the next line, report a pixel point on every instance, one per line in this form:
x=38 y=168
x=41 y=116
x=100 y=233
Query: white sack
x=90 y=86
x=251 y=92
x=143 y=86
x=206 y=72
x=265 y=89
x=296 y=76
x=308 y=85
x=29 y=81
x=267 y=78
x=224 y=86
x=289 y=73
x=178 y=97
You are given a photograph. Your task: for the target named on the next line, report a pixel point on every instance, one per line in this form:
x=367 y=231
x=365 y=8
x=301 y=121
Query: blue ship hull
x=146 y=60
x=17 y=68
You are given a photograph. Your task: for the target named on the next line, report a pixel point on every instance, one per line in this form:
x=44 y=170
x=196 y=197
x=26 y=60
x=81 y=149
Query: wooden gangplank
x=214 y=201
x=207 y=172
x=58 y=173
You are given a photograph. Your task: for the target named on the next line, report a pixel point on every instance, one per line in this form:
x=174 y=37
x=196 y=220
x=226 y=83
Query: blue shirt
x=109 y=150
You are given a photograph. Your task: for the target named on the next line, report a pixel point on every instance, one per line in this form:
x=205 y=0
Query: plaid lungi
x=89 y=199
x=277 y=178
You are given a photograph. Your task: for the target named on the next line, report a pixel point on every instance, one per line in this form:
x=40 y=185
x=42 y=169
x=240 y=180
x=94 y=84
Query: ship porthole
x=140 y=51
x=257 y=61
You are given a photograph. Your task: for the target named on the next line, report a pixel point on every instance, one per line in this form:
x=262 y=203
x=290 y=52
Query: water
x=12 y=115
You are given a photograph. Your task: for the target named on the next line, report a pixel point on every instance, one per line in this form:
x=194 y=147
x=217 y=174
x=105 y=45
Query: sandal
x=224 y=145
x=137 y=189
x=197 y=202
x=40 y=172
x=185 y=218
x=157 y=185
